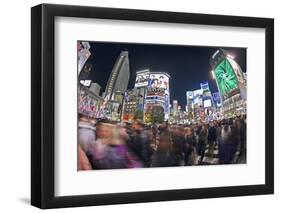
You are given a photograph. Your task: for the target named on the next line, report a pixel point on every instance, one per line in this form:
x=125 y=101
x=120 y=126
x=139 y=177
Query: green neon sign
x=225 y=77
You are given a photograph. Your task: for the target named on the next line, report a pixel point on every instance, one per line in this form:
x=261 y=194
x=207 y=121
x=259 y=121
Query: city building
x=217 y=99
x=85 y=73
x=218 y=105
x=83 y=51
x=206 y=95
x=95 y=88
x=200 y=104
x=84 y=68
x=129 y=111
x=208 y=103
x=89 y=103
x=189 y=105
x=189 y=101
x=117 y=85
x=157 y=95
x=175 y=113
x=198 y=108
x=141 y=84
x=119 y=78
x=231 y=83
x=151 y=96
x=175 y=105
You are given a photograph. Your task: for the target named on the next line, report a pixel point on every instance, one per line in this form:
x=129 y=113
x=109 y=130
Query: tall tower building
x=117 y=85
x=231 y=83
x=119 y=78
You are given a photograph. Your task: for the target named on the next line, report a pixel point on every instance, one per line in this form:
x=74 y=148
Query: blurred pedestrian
x=86 y=132
x=225 y=146
x=243 y=136
x=110 y=150
x=202 y=142
x=139 y=143
x=164 y=156
x=235 y=140
x=212 y=137
x=178 y=143
x=190 y=144
x=83 y=161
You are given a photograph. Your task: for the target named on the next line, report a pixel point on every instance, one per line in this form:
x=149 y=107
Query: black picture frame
x=43 y=102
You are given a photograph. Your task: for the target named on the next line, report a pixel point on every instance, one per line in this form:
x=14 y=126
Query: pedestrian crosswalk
x=208 y=158
x=213 y=160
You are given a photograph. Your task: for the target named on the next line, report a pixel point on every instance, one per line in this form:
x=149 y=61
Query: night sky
x=188 y=66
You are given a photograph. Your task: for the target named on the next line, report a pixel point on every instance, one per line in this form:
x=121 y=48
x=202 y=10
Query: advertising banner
x=158 y=81
x=142 y=80
x=155 y=92
x=226 y=78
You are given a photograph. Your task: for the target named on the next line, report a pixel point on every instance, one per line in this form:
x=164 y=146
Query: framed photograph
x=139 y=106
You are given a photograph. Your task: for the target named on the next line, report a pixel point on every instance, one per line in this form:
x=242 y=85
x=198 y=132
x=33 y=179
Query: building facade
x=129 y=110
x=152 y=96
x=95 y=88
x=117 y=85
x=231 y=83
x=89 y=103
x=200 y=105
x=83 y=51
x=119 y=77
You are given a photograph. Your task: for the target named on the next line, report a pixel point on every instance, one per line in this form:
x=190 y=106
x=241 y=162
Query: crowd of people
x=106 y=144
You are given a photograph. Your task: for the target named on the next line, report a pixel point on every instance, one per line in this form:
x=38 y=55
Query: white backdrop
x=15 y=105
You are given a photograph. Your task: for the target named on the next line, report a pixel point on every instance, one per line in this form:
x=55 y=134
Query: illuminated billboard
x=86 y=83
x=225 y=77
x=155 y=92
x=237 y=70
x=207 y=103
x=142 y=80
x=205 y=86
x=158 y=81
x=197 y=93
x=197 y=101
x=189 y=95
x=153 y=80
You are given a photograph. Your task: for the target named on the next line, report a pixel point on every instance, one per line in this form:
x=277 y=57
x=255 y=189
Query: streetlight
x=213 y=74
x=230 y=56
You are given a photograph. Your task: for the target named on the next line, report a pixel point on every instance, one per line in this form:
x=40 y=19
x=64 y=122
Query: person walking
x=86 y=132
x=243 y=136
x=235 y=140
x=212 y=137
x=225 y=145
x=190 y=144
x=164 y=156
x=202 y=142
x=178 y=143
x=83 y=161
x=139 y=143
x=110 y=150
